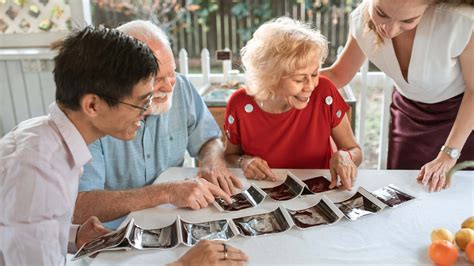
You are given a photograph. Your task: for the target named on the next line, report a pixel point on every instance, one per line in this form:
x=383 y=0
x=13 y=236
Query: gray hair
x=145 y=31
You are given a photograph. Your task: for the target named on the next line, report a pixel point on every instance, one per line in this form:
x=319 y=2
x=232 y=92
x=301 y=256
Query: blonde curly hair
x=278 y=48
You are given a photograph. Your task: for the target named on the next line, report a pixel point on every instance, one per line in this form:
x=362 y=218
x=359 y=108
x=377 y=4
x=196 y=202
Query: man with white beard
x=120 y=178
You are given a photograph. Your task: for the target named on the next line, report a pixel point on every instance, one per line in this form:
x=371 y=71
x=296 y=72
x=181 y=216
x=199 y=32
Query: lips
x=160 y=99
x=302 y=99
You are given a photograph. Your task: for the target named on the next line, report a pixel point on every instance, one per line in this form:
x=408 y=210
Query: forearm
x=111 y=205
x=232 y=160
x=464 y=123
x=211 y=151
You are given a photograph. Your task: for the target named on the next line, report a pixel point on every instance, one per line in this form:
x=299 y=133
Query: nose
x=391 y=29
x=310 y=84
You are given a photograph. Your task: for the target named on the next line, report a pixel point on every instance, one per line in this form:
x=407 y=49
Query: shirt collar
x=73 y=139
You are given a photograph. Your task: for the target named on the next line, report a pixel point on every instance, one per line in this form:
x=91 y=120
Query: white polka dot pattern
x=328 y=100
x=248 y=108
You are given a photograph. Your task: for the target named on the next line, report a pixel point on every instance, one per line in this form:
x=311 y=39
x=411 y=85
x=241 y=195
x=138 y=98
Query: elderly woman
x=287 y=113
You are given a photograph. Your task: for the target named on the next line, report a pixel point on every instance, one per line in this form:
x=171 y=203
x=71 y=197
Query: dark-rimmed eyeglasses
x=142 y=109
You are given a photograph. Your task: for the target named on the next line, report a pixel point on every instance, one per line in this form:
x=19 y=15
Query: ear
x=91 y=104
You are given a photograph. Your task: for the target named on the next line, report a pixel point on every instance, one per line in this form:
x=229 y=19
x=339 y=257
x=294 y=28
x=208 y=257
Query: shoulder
x=36 y=138
x=239 y=96
x=456 y=13
x=326 y=86
x=357 y=17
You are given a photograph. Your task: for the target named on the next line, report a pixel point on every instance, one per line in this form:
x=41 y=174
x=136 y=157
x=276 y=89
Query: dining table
x=399 y=235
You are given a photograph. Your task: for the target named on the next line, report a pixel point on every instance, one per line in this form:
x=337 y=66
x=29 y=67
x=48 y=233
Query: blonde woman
x=287 y=113
x=427 y=48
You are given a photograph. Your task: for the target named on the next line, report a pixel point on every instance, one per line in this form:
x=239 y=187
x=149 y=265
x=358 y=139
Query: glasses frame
x=142 y=109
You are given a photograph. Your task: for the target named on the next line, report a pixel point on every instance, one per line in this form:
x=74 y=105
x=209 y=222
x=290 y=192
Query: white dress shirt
x=41 y=161
x=434 y=74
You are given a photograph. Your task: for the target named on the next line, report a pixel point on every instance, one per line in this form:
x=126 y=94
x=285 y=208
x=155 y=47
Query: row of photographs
x=325 y=212
x=291 y=188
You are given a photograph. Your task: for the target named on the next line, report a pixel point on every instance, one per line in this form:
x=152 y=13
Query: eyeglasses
x=143 y=108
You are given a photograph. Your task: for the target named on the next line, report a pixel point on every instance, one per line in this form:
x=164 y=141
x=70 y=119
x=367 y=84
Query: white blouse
x=434 y=72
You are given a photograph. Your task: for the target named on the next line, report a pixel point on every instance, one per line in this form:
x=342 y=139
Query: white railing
x=27 y=88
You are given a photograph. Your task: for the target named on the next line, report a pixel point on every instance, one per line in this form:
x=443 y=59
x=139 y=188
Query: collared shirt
x=160 y=143
x=41 y=161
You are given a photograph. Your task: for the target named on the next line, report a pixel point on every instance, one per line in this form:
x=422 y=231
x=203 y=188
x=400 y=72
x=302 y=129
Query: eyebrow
x=383 y=13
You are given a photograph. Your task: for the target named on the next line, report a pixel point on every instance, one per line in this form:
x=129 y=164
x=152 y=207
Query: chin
x=160 y=108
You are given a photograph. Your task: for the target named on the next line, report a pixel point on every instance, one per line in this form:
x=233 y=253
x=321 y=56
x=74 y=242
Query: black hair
x=100 y=61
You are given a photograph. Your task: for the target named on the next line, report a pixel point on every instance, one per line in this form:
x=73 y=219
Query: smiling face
x=393 y=17
x=296 y=88
x=164 y=80
x=122 y=121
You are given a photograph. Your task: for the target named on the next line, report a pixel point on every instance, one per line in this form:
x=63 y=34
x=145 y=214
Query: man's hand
x=211 y=253
x=218 y=174
x=194 y=194
x=91 y=229
x=256 y=168
x=433 y=174
x=343 y=167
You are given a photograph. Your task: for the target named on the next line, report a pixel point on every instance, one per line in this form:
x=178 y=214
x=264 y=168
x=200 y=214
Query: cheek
x=407 y=27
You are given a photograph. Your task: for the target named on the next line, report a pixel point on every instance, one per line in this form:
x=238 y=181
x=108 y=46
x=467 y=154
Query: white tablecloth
x=394 y=236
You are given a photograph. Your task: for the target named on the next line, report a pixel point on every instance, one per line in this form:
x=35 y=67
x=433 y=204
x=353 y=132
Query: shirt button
x=171 y=138
x=148 y=156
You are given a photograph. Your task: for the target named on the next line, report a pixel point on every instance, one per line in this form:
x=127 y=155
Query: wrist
x=348 y=152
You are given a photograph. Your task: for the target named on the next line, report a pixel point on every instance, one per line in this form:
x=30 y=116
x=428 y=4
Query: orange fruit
x=443 y=252
x=470 y=251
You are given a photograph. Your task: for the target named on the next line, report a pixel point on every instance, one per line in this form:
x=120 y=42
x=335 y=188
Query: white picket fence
x=27 y=88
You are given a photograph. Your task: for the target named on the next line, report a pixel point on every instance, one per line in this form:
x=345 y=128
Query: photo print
x=316 y=185
x=324 y=212
x=361 y=204
x=133 y=236
x=262 y=224
x=392 y=196
x=249 y=198
x=290 y=189
x=212 y=230
x=109 y=241
x=166 y=237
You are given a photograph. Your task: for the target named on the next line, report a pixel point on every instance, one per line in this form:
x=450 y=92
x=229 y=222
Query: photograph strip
x=325 y=212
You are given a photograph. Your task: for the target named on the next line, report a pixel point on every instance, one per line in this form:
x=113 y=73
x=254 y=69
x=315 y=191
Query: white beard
x=159 y=108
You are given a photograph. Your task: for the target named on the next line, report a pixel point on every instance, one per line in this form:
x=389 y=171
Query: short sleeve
x=333 y=99
x=463 y=22
x=93 y=177
x=231 y=121
x=202 y=126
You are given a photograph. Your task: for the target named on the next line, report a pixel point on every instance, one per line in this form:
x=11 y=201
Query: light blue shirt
x=160 y=143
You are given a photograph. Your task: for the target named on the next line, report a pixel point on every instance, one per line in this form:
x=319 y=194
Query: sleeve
x=464 y=25
x=71 y=247
x=338 y=108
x=202 y=126
x=231 y=121
x=33 y=216
x=93 y=177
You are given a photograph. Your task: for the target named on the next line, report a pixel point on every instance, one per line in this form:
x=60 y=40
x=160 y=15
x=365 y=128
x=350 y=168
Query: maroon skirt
x=418 y=130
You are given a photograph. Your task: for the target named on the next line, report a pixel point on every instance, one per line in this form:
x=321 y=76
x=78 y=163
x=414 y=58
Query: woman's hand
x=256 y=168
x=342 y=166
x=434 y=173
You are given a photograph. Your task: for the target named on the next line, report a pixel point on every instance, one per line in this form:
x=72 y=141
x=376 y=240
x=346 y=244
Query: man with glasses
x=42 y=158
x=120 y=178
